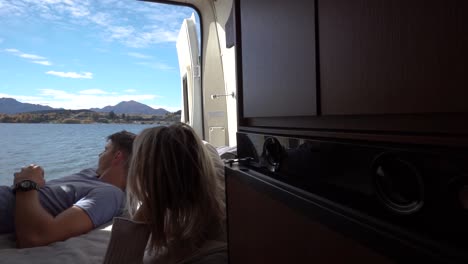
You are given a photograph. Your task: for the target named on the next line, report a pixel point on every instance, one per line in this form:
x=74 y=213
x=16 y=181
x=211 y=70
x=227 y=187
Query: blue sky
x=78 y=54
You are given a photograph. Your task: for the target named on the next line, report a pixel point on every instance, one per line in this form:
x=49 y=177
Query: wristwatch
x=24 y=186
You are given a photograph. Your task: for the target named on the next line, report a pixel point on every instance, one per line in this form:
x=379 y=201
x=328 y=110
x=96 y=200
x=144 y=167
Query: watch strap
x=25 y=185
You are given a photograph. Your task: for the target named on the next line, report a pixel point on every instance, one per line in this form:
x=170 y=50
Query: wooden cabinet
x=278 y=58
x=366 y=66
x=269 y=225
x=393 y=56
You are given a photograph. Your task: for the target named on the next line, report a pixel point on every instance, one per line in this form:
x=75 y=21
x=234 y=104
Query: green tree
x=112 y=115
x=95 y=117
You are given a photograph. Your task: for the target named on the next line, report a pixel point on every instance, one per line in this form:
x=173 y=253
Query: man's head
x=117 y=152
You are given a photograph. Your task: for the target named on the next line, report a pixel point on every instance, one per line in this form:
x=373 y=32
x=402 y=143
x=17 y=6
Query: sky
x=80 y=54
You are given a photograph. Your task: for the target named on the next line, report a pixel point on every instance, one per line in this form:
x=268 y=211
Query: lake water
x=61 y=149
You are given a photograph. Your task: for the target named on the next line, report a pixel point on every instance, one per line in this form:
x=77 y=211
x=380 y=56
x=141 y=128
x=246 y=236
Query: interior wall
x=228 y=56
x=212 y=73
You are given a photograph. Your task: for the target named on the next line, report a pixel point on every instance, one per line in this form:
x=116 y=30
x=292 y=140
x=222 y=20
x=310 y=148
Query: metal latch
x=216 y=96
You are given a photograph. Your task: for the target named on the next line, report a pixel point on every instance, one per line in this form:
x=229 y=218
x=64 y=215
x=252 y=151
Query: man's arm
x=35 y=226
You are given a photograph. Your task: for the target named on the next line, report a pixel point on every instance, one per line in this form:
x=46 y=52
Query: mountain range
x=12 y=106
x=131 y=107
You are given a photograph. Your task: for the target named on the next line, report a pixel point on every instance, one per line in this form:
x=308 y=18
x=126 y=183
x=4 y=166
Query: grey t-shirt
x=100 y=200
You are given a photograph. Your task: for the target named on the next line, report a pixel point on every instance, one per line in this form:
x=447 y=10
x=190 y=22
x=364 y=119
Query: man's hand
x=34 y=226
x=33 y=173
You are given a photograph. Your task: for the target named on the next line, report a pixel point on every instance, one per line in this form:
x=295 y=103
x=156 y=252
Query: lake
x=61 y=149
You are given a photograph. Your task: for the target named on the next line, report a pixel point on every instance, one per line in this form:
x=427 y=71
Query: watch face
x=26 y=184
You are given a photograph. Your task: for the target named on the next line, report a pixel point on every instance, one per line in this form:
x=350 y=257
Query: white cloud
x=31 y=57
x=139 y=55
x=101 y=19
x=130 y=91
x=75 y=9
x=23 y=98
x=121 y=33
x=78 y=11
x=93 y=91
x=80 y=100
x=74 y=75
x=145 y=39
x=52 y=1
x=11 y=8
x=133 y=23
x=46 y=63
x=168 y=108
x=14 y=51
x=56 y=94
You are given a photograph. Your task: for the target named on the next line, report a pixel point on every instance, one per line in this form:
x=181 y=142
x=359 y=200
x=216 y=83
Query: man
x=41 y=213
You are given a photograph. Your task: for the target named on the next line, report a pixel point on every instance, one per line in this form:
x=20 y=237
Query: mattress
x=88 y=248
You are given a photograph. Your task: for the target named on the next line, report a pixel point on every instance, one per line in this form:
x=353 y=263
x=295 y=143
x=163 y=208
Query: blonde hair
x=172 y=176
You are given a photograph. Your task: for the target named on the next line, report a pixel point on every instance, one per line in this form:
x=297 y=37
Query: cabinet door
x=270 y=225
x=393 y=56
x=278 y=58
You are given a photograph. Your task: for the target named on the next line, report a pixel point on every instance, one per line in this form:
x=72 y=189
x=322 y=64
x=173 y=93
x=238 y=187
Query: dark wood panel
x=393 y=56
x=264 y=230
x=278 y=58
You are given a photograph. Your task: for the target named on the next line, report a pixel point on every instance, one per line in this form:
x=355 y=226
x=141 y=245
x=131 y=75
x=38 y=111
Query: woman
x=180 y=201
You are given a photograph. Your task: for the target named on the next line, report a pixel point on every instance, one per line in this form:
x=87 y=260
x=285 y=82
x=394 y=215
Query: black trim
x=409 y=139
x=239 y=78
x=186 y=101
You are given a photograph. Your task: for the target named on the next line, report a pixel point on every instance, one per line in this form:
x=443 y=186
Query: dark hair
x=123 y=141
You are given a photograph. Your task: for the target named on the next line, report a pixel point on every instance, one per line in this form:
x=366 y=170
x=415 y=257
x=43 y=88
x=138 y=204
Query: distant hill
x=132 y=107
x=11 y=106
x=63 y=111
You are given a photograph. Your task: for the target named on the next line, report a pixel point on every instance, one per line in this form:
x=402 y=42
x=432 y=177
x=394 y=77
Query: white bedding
x=87 y=248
